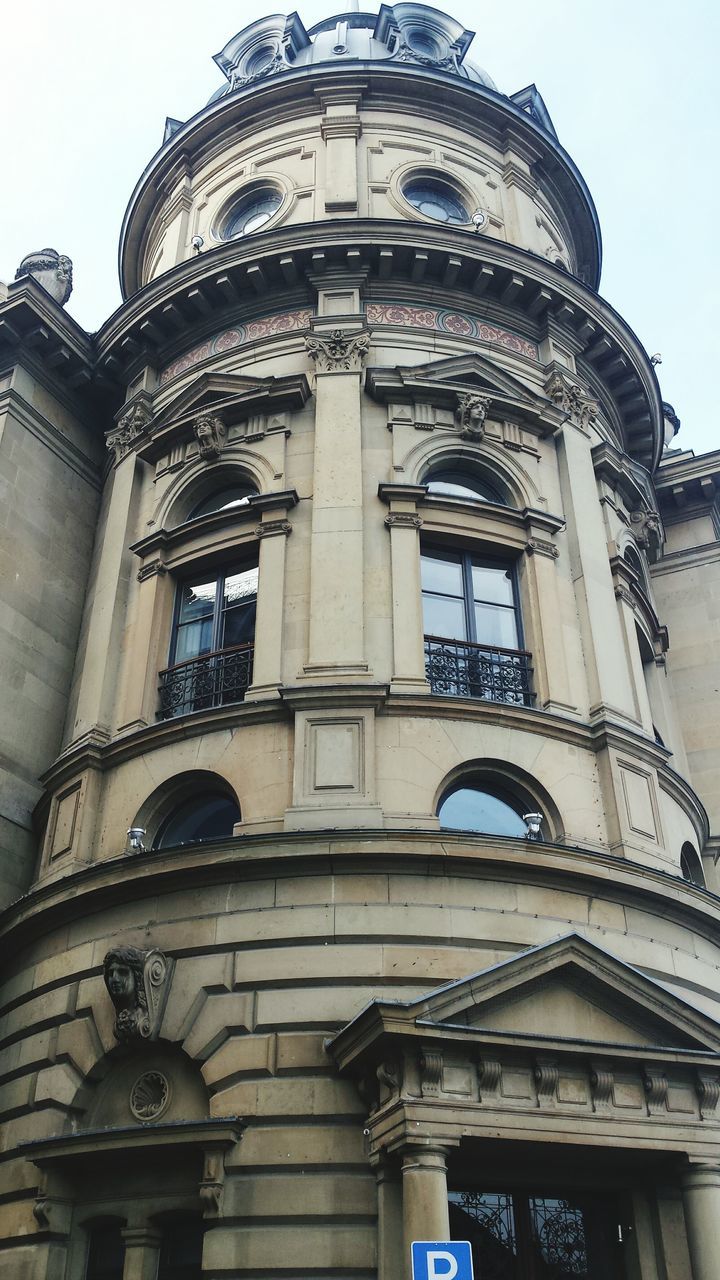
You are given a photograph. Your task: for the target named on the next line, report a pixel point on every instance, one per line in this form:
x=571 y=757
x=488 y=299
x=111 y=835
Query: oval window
x=252 y=212
x=437 y=200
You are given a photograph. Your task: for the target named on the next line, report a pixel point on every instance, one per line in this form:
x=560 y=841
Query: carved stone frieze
x=472 y=410
x=209 y=431
x=568 y=396
x=137 y=983
x=339 y=351
x=134 y=424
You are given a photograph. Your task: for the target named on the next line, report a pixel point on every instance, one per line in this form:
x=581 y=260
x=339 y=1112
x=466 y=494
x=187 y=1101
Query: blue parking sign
x=441 y=1260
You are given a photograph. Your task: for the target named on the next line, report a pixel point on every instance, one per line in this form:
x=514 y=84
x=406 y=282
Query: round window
x=436 y=199
x=252 y=211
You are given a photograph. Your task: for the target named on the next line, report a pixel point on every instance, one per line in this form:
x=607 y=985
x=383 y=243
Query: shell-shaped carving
x=150 y=1096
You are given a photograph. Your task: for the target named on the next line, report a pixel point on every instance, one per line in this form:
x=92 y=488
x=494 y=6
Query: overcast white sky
x=631 y=86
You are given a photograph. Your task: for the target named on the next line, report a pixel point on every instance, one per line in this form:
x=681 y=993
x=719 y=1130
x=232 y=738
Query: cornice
x=188 y=303
x=105 y=885
x=394 y=87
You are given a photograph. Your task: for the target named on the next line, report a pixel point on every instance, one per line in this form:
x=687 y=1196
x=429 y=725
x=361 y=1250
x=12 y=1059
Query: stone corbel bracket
x=138 y=983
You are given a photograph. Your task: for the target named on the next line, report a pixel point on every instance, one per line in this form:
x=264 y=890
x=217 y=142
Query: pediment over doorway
x=563 y=1039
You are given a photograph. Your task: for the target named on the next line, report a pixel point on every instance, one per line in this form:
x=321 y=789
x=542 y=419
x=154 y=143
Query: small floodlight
x=197 y=243
x=479 y=218
x=533 y=822
x=656 y=359
x=135 y=840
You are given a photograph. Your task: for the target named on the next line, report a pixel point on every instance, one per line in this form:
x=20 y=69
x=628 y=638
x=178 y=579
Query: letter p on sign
x=442 y=1260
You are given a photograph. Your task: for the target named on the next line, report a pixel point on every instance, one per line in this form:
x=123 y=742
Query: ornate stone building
x=360 y=734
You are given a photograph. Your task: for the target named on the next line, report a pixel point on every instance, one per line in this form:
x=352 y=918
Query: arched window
x=203 y=817
x=106 y=1252
x=691 y=866
x=457 y=482
x=233 y=495
x=490 y=809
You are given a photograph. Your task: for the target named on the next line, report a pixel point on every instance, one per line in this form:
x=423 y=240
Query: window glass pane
x=492 y=583
x=192 y=640
x=208 y=817
x=106 y=1254
x=239 y=586
x=197 y=600
x=459 y=484
x=495 y=626
x=471 y=809
x=239 y=625
x=444 y=617
x=233 y=496
x=442 y=575
x=436 y=200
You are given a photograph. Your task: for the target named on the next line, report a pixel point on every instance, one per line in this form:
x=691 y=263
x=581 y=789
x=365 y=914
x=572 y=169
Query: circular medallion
x=149 y=1096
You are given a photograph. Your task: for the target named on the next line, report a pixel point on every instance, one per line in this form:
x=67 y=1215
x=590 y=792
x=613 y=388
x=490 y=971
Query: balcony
x=214 y=680
x=458 y=669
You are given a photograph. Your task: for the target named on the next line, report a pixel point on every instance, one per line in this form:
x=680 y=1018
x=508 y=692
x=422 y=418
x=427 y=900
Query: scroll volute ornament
x=470 y=415
x=138 y=983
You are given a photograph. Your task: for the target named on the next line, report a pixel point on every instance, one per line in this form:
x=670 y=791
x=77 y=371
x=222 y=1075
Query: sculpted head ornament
x=136 y=982
x=471 y=413
x=209 y=432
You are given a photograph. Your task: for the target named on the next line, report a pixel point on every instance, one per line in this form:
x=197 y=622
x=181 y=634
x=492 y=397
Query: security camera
x=197 y=243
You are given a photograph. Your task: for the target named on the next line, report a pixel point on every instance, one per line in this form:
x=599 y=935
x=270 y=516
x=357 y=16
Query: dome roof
x=413 y=34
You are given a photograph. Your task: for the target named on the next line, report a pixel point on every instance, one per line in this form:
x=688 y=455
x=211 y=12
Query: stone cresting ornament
x=52 y=270
x=138 y=983
x=470 y=415
x=339 y=352
x=209 y=431
x=568 y=396
x=135 y=423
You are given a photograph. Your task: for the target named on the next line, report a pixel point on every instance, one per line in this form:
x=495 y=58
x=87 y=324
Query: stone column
x=336 y=556
x=609 y=683
x=403 y=521
x=425 y=1198
x=101 y=635
x=273 y=532
x=147 y=647
x=390 y=1221
x=142 y=1250
x=701 y=1198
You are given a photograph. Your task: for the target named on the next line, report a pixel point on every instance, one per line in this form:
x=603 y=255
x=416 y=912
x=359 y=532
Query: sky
x=630 y=84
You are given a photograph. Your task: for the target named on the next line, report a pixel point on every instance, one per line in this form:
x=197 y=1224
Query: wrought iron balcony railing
x=213 y=680
x=460 y=669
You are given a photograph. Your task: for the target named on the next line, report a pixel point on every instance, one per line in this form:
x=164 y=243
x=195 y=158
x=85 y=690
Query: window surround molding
x=630 y=590
x=62 y=1160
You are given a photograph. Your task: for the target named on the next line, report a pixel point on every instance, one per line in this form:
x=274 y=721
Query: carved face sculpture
x=120 y=981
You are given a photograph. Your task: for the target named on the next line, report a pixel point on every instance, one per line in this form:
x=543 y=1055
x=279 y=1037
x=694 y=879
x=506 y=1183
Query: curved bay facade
x=361 y=774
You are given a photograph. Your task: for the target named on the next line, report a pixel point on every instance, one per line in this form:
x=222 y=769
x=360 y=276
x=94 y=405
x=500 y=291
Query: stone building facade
x=360 y=735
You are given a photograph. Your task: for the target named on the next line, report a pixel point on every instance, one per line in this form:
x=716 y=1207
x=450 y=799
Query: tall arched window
x=463 y=482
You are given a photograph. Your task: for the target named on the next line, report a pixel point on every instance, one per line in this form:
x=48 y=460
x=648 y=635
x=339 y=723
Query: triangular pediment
x=571 y=990
x=234 y=394
x=442 y=381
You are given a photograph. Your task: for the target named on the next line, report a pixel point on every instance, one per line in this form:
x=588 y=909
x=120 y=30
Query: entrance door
x=521 y=1236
